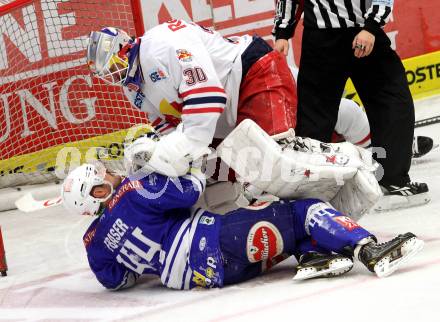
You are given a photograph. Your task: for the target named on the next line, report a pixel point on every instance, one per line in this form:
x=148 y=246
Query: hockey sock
x=330 y=228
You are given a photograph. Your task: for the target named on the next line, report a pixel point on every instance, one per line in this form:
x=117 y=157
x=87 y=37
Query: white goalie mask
x=107 y=54
x=77 y=188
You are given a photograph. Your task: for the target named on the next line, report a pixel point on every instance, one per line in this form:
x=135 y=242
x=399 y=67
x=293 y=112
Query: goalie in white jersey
x=192 y=79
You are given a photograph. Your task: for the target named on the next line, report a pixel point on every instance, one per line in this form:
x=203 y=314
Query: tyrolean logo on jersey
x=157 y=74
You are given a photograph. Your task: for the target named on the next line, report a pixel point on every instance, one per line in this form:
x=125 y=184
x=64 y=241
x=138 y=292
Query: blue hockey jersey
x=149 y=228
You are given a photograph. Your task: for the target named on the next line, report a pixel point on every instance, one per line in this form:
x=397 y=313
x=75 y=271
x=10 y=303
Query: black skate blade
x=336 y=268
x=386 y=266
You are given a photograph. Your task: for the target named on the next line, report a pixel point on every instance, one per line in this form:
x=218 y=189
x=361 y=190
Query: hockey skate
x=422 y=145
x=314 y=264
x=385 y=258
x=409 y=195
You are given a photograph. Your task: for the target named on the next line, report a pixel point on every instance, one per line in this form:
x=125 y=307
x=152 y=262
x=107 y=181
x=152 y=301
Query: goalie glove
x=139 y=152
x=171 y=155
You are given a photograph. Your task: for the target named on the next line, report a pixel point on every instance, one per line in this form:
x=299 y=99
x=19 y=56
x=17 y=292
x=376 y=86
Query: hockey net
x=50 y=106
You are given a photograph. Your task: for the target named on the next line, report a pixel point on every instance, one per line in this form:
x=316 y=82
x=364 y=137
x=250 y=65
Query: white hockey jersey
x=191 y=75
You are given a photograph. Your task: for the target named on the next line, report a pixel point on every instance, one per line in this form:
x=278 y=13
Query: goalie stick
x=427 y=121
x=27 y=203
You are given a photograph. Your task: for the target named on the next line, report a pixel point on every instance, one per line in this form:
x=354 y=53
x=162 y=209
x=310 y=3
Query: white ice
x=49 y=278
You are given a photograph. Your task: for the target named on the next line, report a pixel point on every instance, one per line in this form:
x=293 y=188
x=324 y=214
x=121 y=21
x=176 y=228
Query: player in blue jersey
x=147 y=225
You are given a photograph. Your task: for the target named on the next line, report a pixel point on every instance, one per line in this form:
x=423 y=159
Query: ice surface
x=49 y=277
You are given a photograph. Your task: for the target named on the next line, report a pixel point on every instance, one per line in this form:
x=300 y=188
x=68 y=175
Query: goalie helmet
x=77 y=188
x=107 y=54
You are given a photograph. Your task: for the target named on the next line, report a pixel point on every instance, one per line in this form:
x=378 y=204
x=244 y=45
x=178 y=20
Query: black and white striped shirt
x=370 y=15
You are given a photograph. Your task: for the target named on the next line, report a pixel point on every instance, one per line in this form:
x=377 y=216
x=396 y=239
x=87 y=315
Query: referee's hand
x=282 y=46
x=363 y=44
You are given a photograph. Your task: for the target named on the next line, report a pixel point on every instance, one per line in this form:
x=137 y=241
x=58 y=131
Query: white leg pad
x=319 y=171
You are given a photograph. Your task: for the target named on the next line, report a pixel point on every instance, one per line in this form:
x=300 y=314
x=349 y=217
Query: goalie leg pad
x=303 y=168
x=358 y=195
x=284 y=172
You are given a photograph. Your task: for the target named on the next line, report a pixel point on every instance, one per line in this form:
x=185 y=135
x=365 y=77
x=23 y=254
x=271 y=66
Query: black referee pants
x=327 y=61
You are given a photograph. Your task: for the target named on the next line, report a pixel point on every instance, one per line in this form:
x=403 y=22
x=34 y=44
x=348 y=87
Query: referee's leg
x=382 y=86
x=321 y=80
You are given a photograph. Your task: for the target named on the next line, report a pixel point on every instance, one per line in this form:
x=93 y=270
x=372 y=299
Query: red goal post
x=48 y=99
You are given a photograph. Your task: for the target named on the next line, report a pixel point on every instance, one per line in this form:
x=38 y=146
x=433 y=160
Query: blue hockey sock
x=331 y=229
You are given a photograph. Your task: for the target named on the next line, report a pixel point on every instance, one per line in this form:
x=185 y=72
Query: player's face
x=104 y=190
x=118 y=71
x=101 y=191
x=115 y=71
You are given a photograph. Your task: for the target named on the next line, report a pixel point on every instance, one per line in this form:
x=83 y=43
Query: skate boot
x=315 y=264
x=384 y=258
x=408 y=195
x=422 y=145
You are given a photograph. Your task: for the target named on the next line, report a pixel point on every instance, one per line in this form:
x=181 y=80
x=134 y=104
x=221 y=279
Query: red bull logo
x=184 y=55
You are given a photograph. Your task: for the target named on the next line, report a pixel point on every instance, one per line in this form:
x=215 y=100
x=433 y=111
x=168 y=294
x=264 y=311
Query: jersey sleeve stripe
x=199 y=175
x=365 y=139
x=161 y=126
x=156 y=122
x=188 y=275
x=165 y=129
x=202 y=90
x=195 y=220
x=204 y=100
x=176 y=241
x=196 y=181
x=185 y=274
x=202 y=110
x=177 y=106
x=170 y=277
x=179 y=263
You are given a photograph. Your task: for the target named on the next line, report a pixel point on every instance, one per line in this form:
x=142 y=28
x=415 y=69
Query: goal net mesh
x=52 y=112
